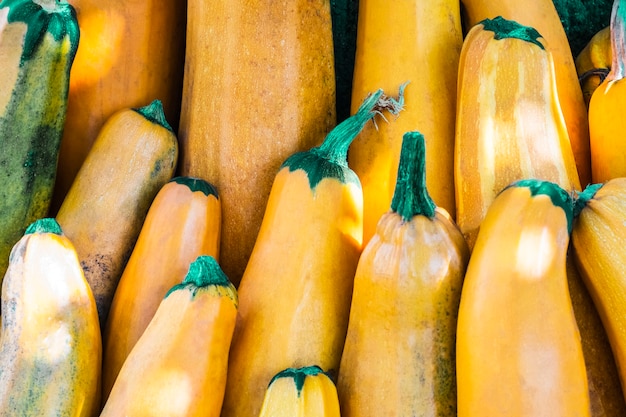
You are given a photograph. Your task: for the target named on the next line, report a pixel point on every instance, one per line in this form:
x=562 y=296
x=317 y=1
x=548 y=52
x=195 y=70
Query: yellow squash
x=295 y=293
x=50 y=346
x=399 y=355
x=593 y=63
x=607 y=117
x=303 y=392
x=542 y=15
x=133 y=157
x=414 y=42
x=178 y=366
x=183 y=222
x=599 y=249
x=509 y=122
x=518 y=346
x=259 y=86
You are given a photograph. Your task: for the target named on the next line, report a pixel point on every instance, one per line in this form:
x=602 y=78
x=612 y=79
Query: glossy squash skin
x=606 y=108
x=518 y=346
x=605 y=390
x=183 y=222
x=302 y=392
x=399 y=355
x=295 y=293
x=593 y=63
x=598 y=242
x=130 y=53
x=509 y=123
x=50 y=345
x=259 y=86
x=134 y=156
x=418 y=43
x=38 y=41
x=178 y=366
x=542 y=15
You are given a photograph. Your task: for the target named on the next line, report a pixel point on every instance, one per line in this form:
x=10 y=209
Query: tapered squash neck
x=299 y=375
x=618 y=43
x=54 y=17
x=204 y=272
x=504 y=29
x=330 y=159
x=45 y=225
x=196 y=185
x=558 y=196
x=154 y=113
x=411 y=196
x=583 y=197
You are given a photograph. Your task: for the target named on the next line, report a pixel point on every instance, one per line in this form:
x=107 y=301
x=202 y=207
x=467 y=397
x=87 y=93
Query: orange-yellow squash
x=599 y=249
x=399 y=355
x=130 y=52
x=509 y=123
x=414 y=42
x=178 y=366
x=50 y=346
x=183 y=222
x=542 y=15
x=133 y=157
x=607 y=118
x=301 y=392
x=295 y=293
x=593 y=63
x=518 y=346
x=259 y=85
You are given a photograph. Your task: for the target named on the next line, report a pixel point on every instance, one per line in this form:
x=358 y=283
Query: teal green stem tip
x=411 y=196
x=154 y=112
x=196 y=185
x=504 y=29
x=299 y=375
x=584 y=196
x=205 y=271
x=44 y=225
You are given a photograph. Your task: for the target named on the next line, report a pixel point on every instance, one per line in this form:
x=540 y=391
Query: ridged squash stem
x=299 y=375
x=411 y=196
x=618 y=41
x=45 y=225
x=505 y=28
x=155 y=113
x=196 y=184
x=583 y=197
x=205 y=274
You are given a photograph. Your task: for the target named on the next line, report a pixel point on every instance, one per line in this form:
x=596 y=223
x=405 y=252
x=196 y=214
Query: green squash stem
x=203 y=273
x=196 y=185
x=299 y=375
x=154 y=112
x=584 y=196
x=45 y=225
x=504 y=29
x=410 y=197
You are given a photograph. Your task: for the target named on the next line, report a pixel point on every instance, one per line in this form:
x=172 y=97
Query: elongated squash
x=518 y=346
x=399 y=354
x=183 y=222
x=594 y=62
x=542 y=15
x=509 y=124
x=259 y=86
x=134 y=156
x=50 y=345
x=605 y=390
x=418 y=42
x=38 y=41
x=178 y=366
x=599 y=249
x=130 y=52
x=295 y=293
x=303 y=392
x=606 y=108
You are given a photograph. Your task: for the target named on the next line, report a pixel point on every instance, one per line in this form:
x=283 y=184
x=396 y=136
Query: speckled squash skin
x=50 y=345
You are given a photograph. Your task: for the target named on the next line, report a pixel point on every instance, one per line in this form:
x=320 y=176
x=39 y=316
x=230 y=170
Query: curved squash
x=606 y=108
x=295 y=293
x=259 y=86
x=130 y=52
x=542 y=15
x=50 y=346
x=416 y=42
x=599 y=242
x=38 y=41
x=594 y=62
x=301 y=392
x=509 y=123
x=133 y=157
x=183 y=222
x=178 y=366
x=399 y=354
x=518 y=346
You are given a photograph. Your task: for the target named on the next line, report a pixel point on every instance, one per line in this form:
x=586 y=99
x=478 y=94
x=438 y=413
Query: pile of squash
x=310 y=208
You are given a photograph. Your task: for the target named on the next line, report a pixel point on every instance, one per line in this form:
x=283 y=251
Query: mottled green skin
x=299 y=375
x=510 y=29
x=32 y=125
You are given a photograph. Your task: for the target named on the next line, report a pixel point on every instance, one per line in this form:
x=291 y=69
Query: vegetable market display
x=309 y=208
